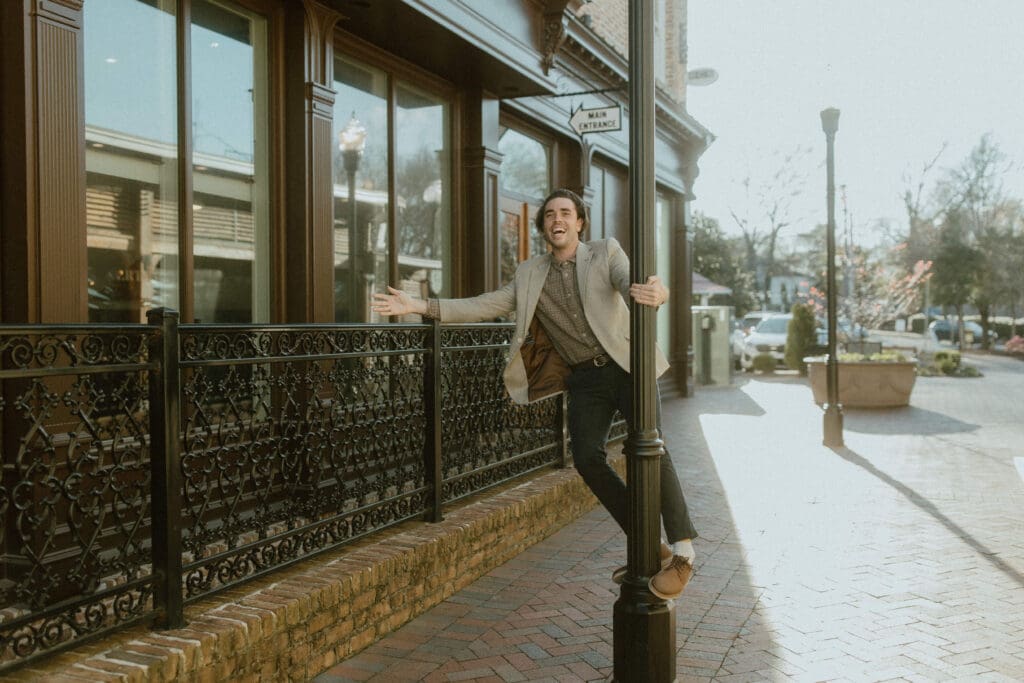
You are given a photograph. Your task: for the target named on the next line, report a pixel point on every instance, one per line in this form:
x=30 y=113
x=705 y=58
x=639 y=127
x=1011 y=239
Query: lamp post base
x=833 y=426
x=644 y=629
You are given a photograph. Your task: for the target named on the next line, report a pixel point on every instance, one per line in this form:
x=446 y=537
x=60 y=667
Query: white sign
x=596 y=120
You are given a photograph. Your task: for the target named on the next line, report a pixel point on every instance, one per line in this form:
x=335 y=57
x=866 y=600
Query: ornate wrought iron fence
x=146 y=466
x=75 y=493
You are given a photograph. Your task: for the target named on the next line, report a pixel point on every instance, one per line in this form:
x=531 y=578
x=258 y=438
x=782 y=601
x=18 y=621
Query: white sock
x=685 y=549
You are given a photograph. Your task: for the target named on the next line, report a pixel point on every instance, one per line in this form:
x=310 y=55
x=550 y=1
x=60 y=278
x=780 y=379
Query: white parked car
x=768 y=337
x=740 y=329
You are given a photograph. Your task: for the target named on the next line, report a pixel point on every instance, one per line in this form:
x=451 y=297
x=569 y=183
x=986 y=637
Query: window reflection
x=231 y=207
x=525 y=180
x=361 y=249
x=131 y=158
x=424 y=198
x=131 y=161
x=524 y=165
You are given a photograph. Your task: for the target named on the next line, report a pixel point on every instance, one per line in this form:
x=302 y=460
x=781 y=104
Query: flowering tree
x=880 y=294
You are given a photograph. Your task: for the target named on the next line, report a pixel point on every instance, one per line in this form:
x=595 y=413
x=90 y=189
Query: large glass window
x=131 y=109
x=379 y=239
x=131 y=158
x=663 y=267
x=231 y=206
x=524 y=181
x=424 y=198
x=361 y=202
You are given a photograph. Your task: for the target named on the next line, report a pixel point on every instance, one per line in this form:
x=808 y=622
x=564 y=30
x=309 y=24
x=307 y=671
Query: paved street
x=898 y=557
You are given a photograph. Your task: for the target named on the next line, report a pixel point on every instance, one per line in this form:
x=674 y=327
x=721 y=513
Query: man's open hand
x=653 y=293
x=397 y=302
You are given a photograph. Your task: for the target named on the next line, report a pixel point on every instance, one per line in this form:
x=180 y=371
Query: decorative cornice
x=554 y=38
x=612 y=68
x=320 y=22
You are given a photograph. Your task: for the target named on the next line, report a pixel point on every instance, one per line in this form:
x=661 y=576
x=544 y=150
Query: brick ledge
x=300 y=621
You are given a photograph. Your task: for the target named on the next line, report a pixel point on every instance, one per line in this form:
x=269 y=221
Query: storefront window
x=424 y=196
x=524 y=182
x=368 y=253
x=131 y=158
x=360 y=187
x=231 y=206
x=132 y=147
x=663 y=266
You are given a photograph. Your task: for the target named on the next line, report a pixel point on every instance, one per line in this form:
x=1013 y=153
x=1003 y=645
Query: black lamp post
x=833 y=419
x=352 y=141
x=643 y=625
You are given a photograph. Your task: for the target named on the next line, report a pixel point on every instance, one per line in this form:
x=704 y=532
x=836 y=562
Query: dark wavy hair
x=581 y=208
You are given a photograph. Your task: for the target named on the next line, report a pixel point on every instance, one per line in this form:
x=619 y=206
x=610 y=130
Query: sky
x=908 y=76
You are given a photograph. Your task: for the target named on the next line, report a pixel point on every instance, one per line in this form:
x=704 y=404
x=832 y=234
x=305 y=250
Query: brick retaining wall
x=294 y=624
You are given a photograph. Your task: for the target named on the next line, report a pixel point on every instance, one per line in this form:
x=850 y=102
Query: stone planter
x=865 y=384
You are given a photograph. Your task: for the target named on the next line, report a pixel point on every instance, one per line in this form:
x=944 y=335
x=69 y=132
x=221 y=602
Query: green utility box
x=712 y=348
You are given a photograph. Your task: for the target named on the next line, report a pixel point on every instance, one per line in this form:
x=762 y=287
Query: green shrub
x=764 y=362
x=801 y=338
x=883 y=357
x=943 y=356
x=888 y=357
x=947 y=365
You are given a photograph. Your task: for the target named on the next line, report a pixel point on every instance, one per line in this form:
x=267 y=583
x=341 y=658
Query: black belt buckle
x=600 y=360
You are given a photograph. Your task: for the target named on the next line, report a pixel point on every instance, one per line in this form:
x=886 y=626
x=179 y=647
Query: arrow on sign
x=597 y=120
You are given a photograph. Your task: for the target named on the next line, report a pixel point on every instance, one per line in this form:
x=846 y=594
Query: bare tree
x=767 y=211
x=973 y=192
x=919 y=241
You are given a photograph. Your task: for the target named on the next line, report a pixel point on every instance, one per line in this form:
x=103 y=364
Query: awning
x=705 y=287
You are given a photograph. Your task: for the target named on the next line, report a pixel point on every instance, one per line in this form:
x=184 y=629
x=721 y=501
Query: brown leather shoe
x=665 y=555
x=669 y=583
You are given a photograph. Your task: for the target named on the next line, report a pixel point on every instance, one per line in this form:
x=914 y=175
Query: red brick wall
x=610 y=20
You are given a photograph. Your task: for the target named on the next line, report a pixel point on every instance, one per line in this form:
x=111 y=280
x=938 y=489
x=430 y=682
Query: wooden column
x=684 y=254
x=481 y=163
x=42 y=162
x=307 y=285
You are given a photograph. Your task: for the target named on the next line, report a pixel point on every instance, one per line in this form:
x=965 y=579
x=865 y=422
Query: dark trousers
x=594 y=396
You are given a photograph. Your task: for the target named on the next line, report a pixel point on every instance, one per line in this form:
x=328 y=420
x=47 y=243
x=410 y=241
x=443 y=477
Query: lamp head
x=830 y=120
x=352 y=138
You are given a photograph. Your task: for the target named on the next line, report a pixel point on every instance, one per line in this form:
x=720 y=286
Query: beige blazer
x=602 y=270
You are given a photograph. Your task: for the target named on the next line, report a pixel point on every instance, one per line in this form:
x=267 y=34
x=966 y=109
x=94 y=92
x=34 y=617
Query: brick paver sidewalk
x=898 y=557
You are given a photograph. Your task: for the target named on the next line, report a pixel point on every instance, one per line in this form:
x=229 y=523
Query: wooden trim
x=42 y=161
x=186 y=269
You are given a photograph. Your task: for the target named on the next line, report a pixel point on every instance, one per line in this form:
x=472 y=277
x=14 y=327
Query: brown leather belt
x=598 y=361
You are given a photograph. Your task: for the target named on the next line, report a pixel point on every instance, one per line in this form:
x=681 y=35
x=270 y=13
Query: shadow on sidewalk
x=905 y=420
x=931 y=509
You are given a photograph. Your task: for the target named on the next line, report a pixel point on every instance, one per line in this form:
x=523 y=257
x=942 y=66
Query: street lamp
x=833 y=419
x=352 y=142
x=644 y=628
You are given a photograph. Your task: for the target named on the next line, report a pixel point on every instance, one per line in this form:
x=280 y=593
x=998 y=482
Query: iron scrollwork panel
x=487 y=439
x=75 y=489
x=296 y=440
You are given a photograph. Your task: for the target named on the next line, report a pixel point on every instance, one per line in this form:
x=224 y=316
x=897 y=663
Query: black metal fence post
x=165 y=468
x=432 y=415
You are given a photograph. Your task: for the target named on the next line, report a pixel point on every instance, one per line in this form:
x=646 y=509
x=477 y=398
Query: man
x=572 y=333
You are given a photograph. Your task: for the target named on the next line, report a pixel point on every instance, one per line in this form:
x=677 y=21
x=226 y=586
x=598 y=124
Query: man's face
x=562 y=225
